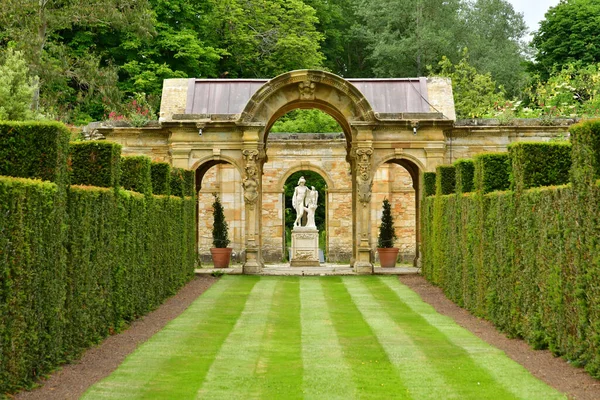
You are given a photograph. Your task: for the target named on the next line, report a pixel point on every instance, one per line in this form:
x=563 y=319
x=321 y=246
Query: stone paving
x=322 y=270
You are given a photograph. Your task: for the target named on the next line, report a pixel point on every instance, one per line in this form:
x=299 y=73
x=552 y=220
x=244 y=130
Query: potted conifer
x=221 y=254
x=388 y=254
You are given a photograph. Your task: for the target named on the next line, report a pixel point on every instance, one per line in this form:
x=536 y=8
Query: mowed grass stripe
x=327 y=375
x=513 y=376
x=372 y=372
x=192 y=338
x=404 y=354
x=232 y=374
x=279 y=369
x=462 y=374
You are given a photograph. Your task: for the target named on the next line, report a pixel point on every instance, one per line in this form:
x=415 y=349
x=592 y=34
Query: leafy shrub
x=539 y=164
x=492 y=172
x=161 y=178
x=135 y=174
x=429 y=183
x=445 y=179
x=585 y=137
x=465 y=171
x=34 y=150
x=95 y=163
x=16 y=87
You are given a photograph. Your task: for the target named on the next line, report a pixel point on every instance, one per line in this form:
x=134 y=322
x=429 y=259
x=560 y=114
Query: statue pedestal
x=305 y=247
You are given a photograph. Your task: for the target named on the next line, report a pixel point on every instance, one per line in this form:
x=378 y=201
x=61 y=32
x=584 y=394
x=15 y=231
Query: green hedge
x=136 y=174
x=34 y=150
x=445 y=179
x=161 y=178
x=492 y=172
x=95 y=163
x=429 y=183
x=79 y=265
x=528 y=260
x=539 y=164
x=465 y=172
x=183 y=182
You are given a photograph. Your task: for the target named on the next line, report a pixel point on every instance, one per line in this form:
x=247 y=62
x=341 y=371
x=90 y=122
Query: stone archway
x=348 y=106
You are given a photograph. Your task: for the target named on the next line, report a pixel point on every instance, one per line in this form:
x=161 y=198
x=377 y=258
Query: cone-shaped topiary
x=387 y=234
x=220 y=230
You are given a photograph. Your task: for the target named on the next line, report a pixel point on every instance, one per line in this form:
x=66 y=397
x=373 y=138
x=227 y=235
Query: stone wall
x=324 y=154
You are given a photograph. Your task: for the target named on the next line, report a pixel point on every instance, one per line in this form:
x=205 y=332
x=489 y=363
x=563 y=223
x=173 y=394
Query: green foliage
x=76 y=270
x=306 y=121
x=135 y=174
x=16 y=87
x=429 y=183
x=387 y=234
x=492 y=172
x=95 y=163
x=539 y=164
x=183 y=182
x=566 y=35
x=585 y=138
x=161 y=178
x=34 y=150
x=220 y=231
x=475 y=94
x=465 y=173
x=445 y=182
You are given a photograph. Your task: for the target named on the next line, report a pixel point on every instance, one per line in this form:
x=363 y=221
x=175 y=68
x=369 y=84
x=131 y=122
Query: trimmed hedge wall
x=34 y=150
x=445 y=179
x=136 y=174
x=74 y=272
x=465 y=172
x=161 y=178
x=528 y=260
x=492 y=172
x=95 y=163
x=539 y=164
x=183 y=182
x=429 y=183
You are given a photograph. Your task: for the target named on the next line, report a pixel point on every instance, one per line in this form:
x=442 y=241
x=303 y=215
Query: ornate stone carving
x=250 y=181
x=307 y=90
x=304 y=236
x=363 y=176
x=304 y=255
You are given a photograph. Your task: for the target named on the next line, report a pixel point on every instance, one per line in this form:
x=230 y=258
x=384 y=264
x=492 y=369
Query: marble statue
x=299 y=200
x=311 y=201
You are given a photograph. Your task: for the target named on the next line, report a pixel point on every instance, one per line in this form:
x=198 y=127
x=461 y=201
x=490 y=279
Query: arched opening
x=321 y=158
x=223 y=179
x=398 y=181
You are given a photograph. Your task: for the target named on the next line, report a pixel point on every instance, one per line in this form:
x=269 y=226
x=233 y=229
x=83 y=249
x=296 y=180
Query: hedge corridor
x=78 y=263
x=527 y=259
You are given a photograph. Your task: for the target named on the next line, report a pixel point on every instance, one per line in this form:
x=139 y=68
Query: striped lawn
x=349 y=337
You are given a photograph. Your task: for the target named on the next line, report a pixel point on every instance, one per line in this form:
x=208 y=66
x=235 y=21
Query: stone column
x=251 y=183
x=363 y=151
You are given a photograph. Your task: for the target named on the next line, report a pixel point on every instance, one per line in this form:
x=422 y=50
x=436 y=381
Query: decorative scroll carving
x=307 y=90
x=250 y=181
x=304 y=255
x=363 y=177
x=304 y=236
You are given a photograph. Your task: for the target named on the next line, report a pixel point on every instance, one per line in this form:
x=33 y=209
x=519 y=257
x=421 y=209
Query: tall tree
x=36 y=26
x=264 y=38
x=494 y=35
x=568 y=33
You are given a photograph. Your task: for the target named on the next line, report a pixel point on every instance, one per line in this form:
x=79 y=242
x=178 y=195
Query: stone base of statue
x=305 y=247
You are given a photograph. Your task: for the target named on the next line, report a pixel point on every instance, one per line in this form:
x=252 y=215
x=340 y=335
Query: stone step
x=286 y=270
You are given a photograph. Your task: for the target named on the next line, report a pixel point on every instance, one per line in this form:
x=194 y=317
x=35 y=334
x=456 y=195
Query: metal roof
x=230 y=96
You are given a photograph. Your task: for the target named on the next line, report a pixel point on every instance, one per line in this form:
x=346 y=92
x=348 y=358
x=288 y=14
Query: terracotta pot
x=388 y=256
x=221 y=257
